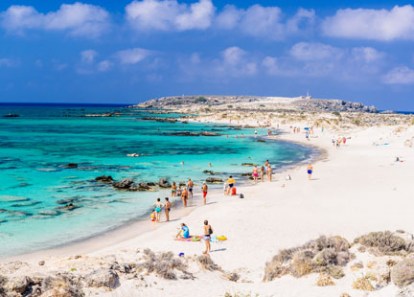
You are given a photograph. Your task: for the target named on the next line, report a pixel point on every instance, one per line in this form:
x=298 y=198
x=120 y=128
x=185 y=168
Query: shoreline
x=140 y=226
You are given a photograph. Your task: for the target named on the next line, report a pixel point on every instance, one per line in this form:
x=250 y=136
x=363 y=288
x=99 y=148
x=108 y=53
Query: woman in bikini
x=204 y=189
x=173 y=189
x=255 y=174
x=207 y=231
x=158 y=207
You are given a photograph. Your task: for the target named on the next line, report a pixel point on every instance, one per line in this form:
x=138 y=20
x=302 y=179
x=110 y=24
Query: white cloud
x=104 y=66
x=381 y=24
x=366 y=54
x=305 y=51
x=132 y=56
x=169 y=15
x=261 y=21
x=235 y=62
x=88 y=56
x=78 y=19
x=271 y=66
x=400 y=75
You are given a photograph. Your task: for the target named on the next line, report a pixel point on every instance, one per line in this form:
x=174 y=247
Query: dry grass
x=315 y=256
x=357 y=266
x=164 y=265
x=385 y=243
x=207 y=264
x=363 y=283
x=324 y=280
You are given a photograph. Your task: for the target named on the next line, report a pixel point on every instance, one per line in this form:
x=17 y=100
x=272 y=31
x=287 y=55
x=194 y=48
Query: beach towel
x=197 y=238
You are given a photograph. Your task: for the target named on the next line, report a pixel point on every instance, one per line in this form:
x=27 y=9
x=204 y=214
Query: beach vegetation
x=336 y=113
x=238 y=294
x=230 y=106
x=385 y=243
x=324 y=280
x=402 y=274
x=322 y=255
x=363 y=283
x=206 y=263
x=163 y=264
x=200 y=99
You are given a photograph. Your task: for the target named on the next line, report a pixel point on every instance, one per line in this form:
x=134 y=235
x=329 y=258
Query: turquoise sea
x=35 y=181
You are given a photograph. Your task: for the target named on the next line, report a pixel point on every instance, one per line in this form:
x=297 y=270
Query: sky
x=130 y=51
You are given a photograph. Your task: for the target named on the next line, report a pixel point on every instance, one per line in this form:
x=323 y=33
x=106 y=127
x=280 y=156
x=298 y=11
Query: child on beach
x=231 y=182
x=269 y=172
x=310 y=171
x=158 y=207
x=204 y=189
x=167 y=208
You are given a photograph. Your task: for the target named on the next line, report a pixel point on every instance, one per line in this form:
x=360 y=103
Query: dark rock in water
x=3 y=221
x=3 y=210
x=163 y=183
x=144 y=186
x=182 y=184
x=105 y=179
x=248 y=164
x=166 y=120
x=211 y=172
x=151 y=184
x=246 y=174
x=25 y=204
x=124 y=184
x=69 y=207
x=260 y=140
x=71 y=165
x=106 y=278
x=9 y=198
x=214 y=180
x=19 y=213
x=66 y=201
x=11 y=115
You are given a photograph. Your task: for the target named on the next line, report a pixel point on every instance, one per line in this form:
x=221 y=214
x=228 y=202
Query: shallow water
x=35 y=181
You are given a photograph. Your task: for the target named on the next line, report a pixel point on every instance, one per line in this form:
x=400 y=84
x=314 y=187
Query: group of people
x=266 y=169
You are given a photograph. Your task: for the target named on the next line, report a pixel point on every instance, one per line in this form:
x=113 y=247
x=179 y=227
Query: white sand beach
x=355 y=189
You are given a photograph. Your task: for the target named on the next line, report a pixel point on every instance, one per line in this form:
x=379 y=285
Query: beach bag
x=241 y=196
x=210 y=231
x=233 y=191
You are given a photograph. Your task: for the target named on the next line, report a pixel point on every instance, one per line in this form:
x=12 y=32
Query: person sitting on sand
x=173 y=189
x=184 y=231
x=207 y=231
x=158 y=207
x=231 y=182
x=167 y=208
x=204 y=189
x=310 y=171
x=190 y=186
x=184 y=196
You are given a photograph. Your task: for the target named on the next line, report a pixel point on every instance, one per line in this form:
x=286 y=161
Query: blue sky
x=129 y=51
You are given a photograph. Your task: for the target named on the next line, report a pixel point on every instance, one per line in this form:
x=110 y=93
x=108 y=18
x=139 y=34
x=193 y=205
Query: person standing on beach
x=231 y=182
x=310 y=171
x=167 y=208
x=158 y=207
x=262 y=173
x=184 y=196
x=269 y=173
x=207 y=231
x=173 y=189
x=255 y=174
x=204 y=189
x=190 y=186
